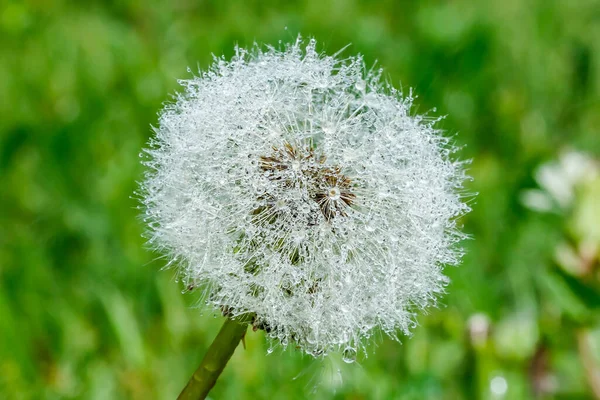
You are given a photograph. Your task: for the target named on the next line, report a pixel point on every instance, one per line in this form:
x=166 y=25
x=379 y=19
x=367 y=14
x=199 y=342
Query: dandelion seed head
x=301 y=188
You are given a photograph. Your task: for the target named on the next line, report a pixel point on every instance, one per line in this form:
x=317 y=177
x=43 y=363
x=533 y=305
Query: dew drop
x=280 y=204
x=349 y=355
x=328 y=128
x=360 y=85
x=334 y=193
x=371 y=99
x=298 y=237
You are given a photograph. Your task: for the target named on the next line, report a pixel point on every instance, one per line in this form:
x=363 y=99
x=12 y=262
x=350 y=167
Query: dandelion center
x=298 y=168
x=334 y=193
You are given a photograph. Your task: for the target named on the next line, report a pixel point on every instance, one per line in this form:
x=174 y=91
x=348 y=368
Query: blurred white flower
x=537 y=200
x=300 y=188
x=558 y=181
x=479 y=326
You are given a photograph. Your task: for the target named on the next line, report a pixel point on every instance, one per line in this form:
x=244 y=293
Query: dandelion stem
x=217 y=356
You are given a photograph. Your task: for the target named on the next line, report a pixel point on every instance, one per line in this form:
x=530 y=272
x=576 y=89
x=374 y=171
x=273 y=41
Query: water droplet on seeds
x=360 y=85
x=328 y=128
x=371 y=98
x=298 y=237
x=334 y=193
x=280 y=204
x=349 y=355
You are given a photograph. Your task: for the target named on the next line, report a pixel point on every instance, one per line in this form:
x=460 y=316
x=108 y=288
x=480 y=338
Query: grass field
x=86 y=311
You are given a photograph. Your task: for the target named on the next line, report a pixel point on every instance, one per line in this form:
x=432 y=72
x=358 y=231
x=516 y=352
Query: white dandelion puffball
x=299 y=188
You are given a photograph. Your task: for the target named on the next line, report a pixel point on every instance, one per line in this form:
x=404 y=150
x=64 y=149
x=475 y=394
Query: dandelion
x=304 y=196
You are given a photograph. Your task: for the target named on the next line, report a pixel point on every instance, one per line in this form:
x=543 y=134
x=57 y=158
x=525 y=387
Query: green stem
x=217 y=356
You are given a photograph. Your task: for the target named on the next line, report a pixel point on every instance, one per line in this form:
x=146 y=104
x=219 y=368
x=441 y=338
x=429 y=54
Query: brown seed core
x=326 y=185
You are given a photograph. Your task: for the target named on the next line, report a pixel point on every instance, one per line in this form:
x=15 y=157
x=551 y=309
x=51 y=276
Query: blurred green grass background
x=85 y=311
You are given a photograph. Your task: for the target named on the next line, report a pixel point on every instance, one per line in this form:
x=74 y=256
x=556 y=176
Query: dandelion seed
x=303 y=190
